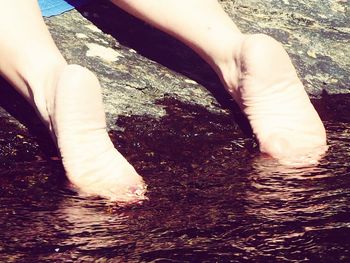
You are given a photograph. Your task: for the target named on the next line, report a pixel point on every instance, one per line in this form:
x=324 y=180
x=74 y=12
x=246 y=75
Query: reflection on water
x=213 y=198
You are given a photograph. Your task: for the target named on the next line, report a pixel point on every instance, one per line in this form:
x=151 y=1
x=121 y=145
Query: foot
x=75 y=113
x=263 y=81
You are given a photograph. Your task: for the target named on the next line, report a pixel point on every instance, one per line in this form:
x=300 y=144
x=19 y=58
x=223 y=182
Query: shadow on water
x=189 y=142
x=241 y=206
x=212 y=198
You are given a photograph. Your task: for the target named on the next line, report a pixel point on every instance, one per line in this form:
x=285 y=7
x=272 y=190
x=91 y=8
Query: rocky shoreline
x=140 y=68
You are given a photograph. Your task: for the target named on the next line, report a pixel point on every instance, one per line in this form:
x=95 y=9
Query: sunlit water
x=212 y=198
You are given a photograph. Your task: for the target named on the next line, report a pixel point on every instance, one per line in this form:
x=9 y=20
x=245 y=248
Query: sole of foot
x=275 y=102
x=91 y=162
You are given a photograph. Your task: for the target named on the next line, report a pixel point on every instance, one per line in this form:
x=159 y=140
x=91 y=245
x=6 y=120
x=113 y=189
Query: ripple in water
x=213 y=198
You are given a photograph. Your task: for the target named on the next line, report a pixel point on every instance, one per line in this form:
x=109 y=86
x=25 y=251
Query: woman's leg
x=68 y=99
x=255 y=69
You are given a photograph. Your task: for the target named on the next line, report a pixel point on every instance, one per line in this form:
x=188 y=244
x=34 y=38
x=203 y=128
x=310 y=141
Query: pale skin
x=254 y=69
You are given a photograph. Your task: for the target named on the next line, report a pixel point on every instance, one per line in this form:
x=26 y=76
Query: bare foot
x=76 y=116
x=266 y=86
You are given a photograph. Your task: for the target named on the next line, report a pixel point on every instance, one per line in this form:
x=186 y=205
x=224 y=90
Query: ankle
x=227 y=64
x=43 y=90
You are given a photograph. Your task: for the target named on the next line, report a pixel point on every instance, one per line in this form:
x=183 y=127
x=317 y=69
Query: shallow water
x=212 y=197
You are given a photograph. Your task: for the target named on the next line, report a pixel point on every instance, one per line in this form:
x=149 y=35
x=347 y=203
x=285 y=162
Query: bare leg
x=68 y=99
x=255 y=69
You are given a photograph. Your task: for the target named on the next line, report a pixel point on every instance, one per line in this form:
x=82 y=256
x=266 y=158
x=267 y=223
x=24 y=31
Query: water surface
x=212 y=198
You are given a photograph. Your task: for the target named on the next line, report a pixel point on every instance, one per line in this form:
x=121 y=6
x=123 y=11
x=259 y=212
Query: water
x=212 y=198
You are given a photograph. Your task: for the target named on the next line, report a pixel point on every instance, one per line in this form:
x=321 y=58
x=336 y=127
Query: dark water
x=212 y=197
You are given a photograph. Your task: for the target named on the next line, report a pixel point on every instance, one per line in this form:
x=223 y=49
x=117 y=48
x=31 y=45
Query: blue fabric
x=56 y=7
